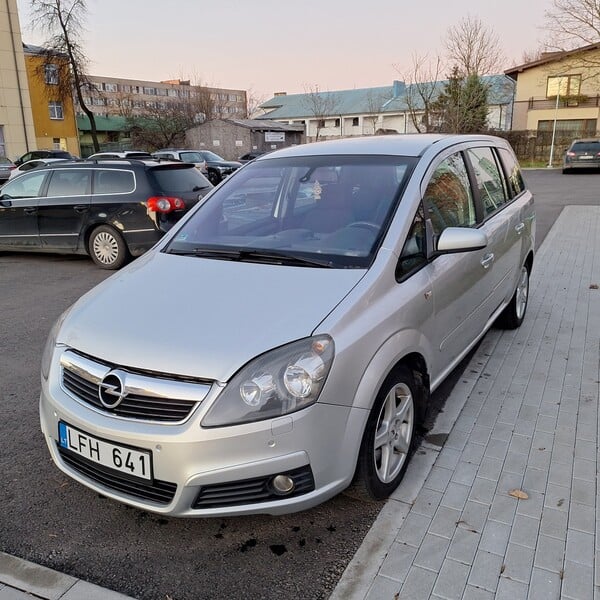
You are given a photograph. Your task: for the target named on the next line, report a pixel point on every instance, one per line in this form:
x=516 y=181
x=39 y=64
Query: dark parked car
x=109 y=210
x=44 y=154
x=6 y=167
x=250 y=156
x=218 y=168
x=582 y=154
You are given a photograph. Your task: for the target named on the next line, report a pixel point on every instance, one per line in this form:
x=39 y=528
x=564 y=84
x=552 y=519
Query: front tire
x=389 y=435
x=512 y=316
x=107 y=248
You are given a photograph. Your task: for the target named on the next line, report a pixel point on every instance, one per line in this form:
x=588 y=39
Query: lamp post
x=554 y=125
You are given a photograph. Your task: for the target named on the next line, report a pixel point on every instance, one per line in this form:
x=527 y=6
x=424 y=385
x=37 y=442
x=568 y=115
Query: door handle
x=30 y=210
x=519 y=228
x=487 y=260
x=80 y=208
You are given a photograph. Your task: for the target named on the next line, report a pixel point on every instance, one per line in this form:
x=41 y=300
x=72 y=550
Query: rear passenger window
x=490 y=181
x=448 y=196
x=114 y=182
x=511 y=166
x=72 y=182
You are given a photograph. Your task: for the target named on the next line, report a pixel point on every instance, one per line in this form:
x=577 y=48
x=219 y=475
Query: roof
x=343 y=102
x=262 y=126
x=102 y=123
x=388 y=99
x=391 y=145
x=550 y=57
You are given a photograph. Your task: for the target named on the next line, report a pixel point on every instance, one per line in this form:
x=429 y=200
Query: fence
x=534 y=146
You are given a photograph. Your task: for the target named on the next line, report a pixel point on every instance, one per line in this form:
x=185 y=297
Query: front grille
x=134 y=406
x=160 y=492
x=144 y=396
x=254 y=490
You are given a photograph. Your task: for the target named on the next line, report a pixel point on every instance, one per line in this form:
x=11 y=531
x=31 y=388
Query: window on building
x=125 y=88
x=2 y=144
x=56 y=110
x=321 y=123
x=51 y=74
x=565 y=85
x=354 y=121
x=150 y=91
x=336 y=123
x=570 y=127
x=110 y=87
x=233 y=98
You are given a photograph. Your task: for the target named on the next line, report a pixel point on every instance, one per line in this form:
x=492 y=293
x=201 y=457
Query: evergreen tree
x=462 y=105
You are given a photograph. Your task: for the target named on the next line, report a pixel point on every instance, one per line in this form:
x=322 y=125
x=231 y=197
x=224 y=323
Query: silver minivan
x=282 y=341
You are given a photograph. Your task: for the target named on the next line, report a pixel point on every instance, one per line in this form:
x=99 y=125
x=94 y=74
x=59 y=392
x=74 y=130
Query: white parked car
x=32 y=164
x=309 y=307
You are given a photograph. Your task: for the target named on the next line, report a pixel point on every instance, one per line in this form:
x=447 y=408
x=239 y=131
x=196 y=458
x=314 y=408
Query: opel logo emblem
x=111 y=390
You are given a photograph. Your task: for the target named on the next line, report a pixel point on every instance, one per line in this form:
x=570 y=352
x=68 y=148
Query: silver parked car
x=317 y=297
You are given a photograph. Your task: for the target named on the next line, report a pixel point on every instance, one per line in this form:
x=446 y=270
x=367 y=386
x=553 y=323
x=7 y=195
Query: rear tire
x=512 y=316
x=388 y=439
x=107 y=248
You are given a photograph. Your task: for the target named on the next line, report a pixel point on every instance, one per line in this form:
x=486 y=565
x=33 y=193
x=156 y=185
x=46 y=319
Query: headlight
x=279 y=382
x=51 y=343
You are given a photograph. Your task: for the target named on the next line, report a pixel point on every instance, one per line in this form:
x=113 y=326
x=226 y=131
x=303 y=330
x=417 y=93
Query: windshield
x=327 y=210
x=191 y=157
x=208 y=155
x=172 y=179
x=586 y=147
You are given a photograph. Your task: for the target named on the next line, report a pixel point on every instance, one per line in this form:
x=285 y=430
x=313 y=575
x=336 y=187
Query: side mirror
x=461 y=239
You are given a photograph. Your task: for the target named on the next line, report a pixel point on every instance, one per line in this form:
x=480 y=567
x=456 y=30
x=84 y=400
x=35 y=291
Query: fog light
x=282 y=484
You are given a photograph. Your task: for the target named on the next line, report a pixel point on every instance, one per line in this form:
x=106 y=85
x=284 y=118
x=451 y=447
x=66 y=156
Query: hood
x=201 y=317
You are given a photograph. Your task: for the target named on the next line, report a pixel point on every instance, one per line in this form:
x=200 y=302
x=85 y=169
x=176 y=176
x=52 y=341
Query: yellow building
x=16 y=122
x=53 y=112
x=561 y=88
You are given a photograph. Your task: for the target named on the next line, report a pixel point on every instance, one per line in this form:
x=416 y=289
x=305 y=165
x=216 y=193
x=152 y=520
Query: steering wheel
x=372 y=227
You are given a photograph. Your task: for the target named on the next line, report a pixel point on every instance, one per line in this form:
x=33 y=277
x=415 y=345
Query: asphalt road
x=49 y=519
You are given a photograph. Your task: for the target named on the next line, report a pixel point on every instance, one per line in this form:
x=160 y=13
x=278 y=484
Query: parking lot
x=49 y=519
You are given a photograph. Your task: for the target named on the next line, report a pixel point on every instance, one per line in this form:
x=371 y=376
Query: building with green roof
x=397 y=108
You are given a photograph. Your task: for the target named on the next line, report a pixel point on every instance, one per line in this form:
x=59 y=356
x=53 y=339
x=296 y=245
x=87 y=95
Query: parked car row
x=109 y=209
x=321 y=294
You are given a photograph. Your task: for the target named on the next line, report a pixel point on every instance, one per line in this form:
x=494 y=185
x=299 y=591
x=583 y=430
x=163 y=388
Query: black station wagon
x=111 y=210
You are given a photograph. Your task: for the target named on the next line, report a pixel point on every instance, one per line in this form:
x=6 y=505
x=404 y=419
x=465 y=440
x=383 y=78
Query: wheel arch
x=387 y=360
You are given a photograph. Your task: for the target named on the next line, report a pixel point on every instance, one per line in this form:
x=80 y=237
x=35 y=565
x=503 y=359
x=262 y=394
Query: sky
x=268 y=46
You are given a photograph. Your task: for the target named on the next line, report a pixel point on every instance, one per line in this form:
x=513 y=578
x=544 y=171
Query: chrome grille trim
x=153 y=399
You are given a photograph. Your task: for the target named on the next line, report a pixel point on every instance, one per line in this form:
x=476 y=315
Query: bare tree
x=63 y=22
x=421 y=90
x=573 y=23
x=374 y=103
x=473 y=48
x=320 y=105
x=163 y=123
x=253 y=102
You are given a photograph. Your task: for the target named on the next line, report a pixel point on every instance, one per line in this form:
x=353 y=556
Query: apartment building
x=113 y=96
x=52 y=107
x=17 y=134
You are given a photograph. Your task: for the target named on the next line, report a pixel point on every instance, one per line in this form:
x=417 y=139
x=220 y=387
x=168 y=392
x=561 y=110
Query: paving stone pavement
x=523 y=417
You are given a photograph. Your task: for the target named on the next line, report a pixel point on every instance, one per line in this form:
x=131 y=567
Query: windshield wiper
x=260 y=256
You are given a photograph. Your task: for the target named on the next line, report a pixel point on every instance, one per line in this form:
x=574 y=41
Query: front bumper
x=192 y=466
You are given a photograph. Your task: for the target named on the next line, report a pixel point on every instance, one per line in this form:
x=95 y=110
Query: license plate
x=130 y=461
x=585 y=157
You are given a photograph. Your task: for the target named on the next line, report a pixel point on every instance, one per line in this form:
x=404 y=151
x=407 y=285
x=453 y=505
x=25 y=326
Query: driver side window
x=28 y=185
x=448 y=196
